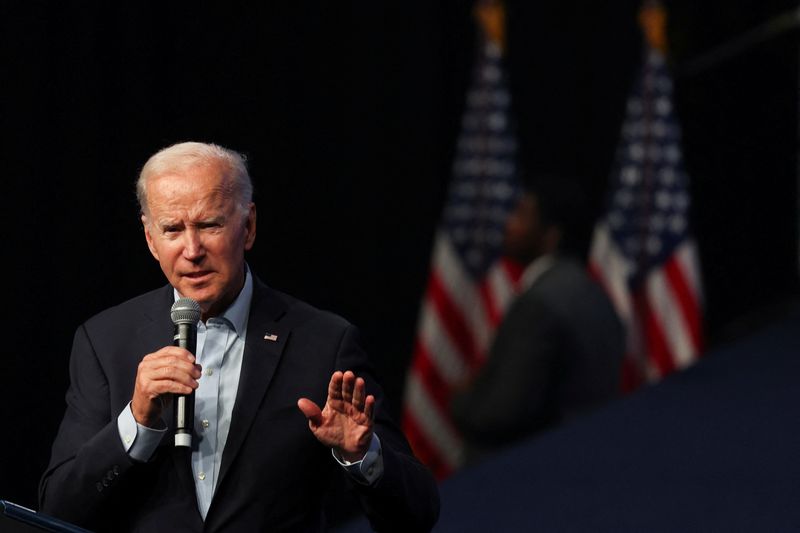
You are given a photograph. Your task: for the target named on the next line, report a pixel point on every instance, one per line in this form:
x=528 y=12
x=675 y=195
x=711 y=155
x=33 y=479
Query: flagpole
x=764 y=32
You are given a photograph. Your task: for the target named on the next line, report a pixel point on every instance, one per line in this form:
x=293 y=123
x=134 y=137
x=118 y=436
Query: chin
x=200 y=296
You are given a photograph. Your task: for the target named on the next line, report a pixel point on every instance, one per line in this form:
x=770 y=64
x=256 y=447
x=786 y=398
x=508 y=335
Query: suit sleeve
x=406 y=497
x=88 y=460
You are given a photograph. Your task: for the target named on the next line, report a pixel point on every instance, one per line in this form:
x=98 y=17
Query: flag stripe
x=665 y=311
x=449 y=362
x=422 y=447
x=687 y=258
x=462 y=292
x=608 y=264
x=660 y=361
x=686 y=297
x=433 y=427
x=429 y=374
x=453 y=320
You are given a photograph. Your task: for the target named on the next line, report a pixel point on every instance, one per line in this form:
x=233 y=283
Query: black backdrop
x=349 y=115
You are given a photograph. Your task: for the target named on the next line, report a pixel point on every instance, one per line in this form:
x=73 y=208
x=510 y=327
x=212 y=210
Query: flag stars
x=653 y=245
x=631 y=175
x=677 y=224
x=663 y=200
x=497 y=121
x=681 y=200
x=673 y=154
x=663 y=107
x=667 y=176
x=636 y=152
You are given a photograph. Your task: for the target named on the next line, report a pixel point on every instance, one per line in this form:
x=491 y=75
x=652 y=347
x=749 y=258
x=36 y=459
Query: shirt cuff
x=140 y=442
x=369 y=469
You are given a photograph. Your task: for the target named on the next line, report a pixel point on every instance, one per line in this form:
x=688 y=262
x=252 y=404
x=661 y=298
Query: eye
x=214 y=224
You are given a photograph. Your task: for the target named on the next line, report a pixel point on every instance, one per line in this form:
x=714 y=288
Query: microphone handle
x=185 y=337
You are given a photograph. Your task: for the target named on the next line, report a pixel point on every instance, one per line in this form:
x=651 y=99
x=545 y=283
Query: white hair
x=180 y=157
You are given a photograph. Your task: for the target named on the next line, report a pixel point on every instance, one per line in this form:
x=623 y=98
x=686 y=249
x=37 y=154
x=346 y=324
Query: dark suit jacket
x=557 y=354
x=274 y=473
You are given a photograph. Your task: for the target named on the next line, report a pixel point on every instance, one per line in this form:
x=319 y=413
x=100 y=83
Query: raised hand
x=346 y=422
x=170 y=370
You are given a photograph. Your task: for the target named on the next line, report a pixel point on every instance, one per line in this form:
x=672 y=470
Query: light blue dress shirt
x=220 y=350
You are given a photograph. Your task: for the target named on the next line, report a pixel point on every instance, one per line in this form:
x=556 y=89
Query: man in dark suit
x=256 y=463
x=558 y=351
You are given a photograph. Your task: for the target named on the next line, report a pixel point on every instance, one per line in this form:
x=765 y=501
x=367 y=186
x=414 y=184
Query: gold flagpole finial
x=491 y=16
x=653 y=21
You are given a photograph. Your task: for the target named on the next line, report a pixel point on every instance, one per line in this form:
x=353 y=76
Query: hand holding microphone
x=171 y=371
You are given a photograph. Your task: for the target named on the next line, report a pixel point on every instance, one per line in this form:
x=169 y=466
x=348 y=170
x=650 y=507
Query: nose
x=193 y=248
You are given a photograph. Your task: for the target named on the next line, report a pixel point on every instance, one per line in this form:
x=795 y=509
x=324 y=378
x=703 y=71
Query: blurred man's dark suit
x=557 y=354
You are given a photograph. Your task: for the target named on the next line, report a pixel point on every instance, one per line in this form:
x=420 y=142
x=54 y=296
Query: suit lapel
x=266 y=338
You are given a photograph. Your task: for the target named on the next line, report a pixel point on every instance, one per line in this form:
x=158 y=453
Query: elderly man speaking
x=282 y=393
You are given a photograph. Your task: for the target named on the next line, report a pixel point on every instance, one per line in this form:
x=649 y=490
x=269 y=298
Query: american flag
x=642 y=250
x=469 y=284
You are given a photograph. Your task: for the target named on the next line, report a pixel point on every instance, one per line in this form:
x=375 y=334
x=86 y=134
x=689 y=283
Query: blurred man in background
x=559 y=349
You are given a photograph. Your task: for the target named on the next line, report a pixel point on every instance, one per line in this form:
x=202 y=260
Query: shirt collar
x=237 y=312
x=533 y=271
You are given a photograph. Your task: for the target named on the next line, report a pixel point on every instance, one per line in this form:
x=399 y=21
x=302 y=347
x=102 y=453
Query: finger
x=359 y=393
x=186 y=376
x=335 y=386
x=166 y=365
x=369 y=407
x=311 y=411
x=348 y=383
x=162 y=382
x=155 y=382
x=170 y=351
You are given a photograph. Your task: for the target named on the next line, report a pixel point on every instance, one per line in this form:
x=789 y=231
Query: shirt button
x=206 y=424
x=209 y=371
x=128 y=439
x=201 y=476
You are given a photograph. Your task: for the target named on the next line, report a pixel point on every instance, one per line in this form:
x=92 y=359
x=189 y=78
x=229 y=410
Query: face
x=525 y=234
x=198 y=235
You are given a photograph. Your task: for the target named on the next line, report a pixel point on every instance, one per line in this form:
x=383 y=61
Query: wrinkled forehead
x=196 y=188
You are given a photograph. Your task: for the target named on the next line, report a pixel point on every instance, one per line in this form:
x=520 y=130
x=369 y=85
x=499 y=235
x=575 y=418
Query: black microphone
x=185 y=313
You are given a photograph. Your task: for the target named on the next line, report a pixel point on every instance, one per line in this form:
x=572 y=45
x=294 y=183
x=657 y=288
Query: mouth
x=197 y=276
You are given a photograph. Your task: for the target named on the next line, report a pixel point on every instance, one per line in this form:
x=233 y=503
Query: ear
x=250 y=227
x=149 y=237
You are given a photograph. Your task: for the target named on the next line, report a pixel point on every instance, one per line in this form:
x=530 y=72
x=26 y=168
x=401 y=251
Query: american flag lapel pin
x=270 y=337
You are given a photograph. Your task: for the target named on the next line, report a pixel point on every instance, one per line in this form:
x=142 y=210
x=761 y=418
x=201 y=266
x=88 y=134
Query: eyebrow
x=202 y=222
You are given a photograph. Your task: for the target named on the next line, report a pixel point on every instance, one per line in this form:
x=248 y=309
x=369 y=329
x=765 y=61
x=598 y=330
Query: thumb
x=311 y=411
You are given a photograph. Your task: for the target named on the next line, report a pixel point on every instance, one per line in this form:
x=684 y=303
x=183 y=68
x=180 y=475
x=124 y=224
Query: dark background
x=349 y=113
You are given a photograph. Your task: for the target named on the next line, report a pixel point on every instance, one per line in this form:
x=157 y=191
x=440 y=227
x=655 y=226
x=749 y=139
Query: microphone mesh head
x=185 y=311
